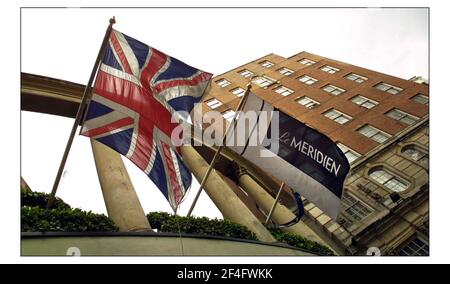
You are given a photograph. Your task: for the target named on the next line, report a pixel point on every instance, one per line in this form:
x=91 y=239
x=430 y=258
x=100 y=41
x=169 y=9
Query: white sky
x=63 y=43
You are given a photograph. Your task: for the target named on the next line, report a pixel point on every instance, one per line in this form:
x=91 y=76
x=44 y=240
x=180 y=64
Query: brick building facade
x=381 y=124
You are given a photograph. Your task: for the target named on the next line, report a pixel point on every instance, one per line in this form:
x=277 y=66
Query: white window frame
x=284 y=91
x=246 y=73
x=422 y=158
x=356 y=78
x=415 y=251
x=405 y=117
x=263 y=81
x=213 y=103
x=306 y=61
x=310 y=103
x=335 y=90
x=236 y=93
x=266 y=64
x=352 y=207
x=351 y=154
x=374 y=133
x=308 y=80
x=285 y=71
x=389 y=180
x=425 y=101
x=388 y=88
x=365 y=102
x=223 y=82
x=228 y=114
x=337 y=116
x=330 y=69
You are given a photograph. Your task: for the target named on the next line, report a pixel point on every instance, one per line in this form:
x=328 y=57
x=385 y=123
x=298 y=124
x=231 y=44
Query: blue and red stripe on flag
x=136 y=91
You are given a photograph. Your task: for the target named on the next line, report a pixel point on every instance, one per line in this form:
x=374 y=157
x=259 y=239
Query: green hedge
x=301 y=242
x=61 y=218
x=36 y=219
x=165 y=222
x=40 y=199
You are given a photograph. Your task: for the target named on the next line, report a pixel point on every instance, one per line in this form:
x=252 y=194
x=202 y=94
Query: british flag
x=137 y=89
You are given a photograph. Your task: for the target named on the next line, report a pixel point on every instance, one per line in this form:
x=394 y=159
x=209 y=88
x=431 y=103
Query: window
x=213 y=103
x=306 y=61
x=266 y=64
x=228 y=114
x=246 y=73
x=337 y=116
x=349 y=153
x=355 y=208
x=356 y=78
x=239 y=92
x=223 y=82
x=421 y=99
x=307 y=80
x=388 y=88
x=329 y=69
x=364 y=102
x=415 y=247
x=374 y=133
x=282 y=90
x=389 y=180
x=307 y=102
x=333 y=90
x=263 y=81
x=416 y=154
x=402 y=116
x=285 y=71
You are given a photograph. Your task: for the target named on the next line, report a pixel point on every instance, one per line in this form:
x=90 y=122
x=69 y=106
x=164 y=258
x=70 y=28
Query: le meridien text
x=312 y=152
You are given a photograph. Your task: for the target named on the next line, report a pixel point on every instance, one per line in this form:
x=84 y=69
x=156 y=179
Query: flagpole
x=274 y=204
x=86 y=92
x=219 y=149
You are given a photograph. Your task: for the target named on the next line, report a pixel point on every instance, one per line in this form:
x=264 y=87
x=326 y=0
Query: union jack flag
x=136 y=91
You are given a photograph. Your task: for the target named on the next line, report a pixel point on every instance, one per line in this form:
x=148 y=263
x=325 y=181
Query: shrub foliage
x=62 y=218
x=36 y=219
x=40 y=199
x=301 y=242
x=165 y=222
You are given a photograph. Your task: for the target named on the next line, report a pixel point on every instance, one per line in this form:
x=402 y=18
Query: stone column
x=121 y=200
x=281 y=214
x=228 y=203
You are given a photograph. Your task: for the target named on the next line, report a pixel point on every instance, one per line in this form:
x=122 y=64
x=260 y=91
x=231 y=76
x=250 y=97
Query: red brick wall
x=347 y=133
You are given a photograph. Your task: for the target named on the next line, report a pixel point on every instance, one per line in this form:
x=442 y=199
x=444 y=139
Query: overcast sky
x=63 y=43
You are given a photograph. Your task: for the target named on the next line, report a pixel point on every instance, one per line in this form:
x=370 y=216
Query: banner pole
x=86 y=92
x=219 y=149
